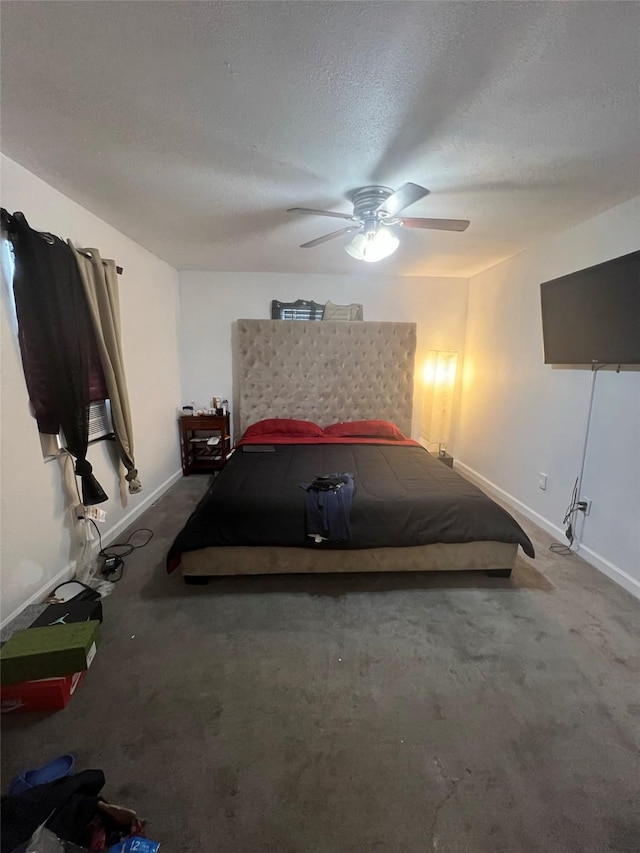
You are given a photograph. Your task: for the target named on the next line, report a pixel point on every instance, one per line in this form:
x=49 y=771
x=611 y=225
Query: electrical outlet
x=94 y=513
x=542 y=481
x=587 y=505
x=77 y=513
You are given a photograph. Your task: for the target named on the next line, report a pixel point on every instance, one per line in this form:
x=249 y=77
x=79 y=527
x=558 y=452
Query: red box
x=47 y=694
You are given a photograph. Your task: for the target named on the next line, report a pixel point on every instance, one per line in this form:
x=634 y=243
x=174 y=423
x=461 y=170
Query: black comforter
x=403 y=496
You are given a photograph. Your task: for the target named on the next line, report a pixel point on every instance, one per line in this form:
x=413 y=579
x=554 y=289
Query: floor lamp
x=437 y=405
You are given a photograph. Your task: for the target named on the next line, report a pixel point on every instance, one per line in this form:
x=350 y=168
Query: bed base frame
x=495 y=558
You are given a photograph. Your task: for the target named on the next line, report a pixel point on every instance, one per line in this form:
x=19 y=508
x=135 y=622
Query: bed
x=409 y=511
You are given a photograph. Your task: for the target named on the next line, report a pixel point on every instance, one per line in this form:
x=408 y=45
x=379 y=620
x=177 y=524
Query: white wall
x=211 y=302
x=38 y=544
x=521 y=417
x=518 y=416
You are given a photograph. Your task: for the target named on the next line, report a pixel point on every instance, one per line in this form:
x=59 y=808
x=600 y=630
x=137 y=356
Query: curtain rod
x=85 y=254
x=7 y=219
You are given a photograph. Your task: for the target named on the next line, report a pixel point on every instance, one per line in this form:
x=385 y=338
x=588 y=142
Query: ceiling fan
x=375 y=214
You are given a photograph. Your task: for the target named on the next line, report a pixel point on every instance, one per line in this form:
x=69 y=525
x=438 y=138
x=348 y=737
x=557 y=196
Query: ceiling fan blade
x=331 y=236
x=321 y=212
x=434 y=224
x=406 y=195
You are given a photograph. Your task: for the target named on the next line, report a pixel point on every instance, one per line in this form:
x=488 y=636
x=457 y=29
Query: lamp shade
x=373 y=246
x=439 y=383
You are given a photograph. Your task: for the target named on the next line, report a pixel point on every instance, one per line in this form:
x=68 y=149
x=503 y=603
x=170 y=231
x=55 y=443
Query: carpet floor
x=366 y=713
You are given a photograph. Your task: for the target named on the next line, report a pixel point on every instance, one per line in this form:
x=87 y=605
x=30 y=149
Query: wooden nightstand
x=205 y=442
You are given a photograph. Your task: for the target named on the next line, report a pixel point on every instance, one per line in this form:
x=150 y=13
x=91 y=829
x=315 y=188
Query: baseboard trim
x=68 y=571
x=65 y=574
x=113 y=533
x=596 y=560
x=613 y=572
x=487 y=485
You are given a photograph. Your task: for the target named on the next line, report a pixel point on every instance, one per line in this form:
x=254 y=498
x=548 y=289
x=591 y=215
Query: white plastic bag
x=44 y=841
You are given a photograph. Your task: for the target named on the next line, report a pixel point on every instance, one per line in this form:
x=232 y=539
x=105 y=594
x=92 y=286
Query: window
x=8 y=266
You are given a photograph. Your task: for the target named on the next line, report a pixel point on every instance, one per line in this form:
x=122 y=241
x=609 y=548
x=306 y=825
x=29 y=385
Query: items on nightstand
x=220 y=405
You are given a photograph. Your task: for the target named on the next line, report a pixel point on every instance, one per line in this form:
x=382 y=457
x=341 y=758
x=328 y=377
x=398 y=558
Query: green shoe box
x=51 y=652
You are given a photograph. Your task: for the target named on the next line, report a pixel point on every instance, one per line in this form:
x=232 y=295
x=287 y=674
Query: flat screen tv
x=593 y=316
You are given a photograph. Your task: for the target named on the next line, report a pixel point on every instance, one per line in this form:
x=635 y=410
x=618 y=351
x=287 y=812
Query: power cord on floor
x=114 y=560
x=570 y=520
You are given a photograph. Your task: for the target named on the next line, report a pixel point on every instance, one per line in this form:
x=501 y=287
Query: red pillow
x=365 y=429
x=283 y=426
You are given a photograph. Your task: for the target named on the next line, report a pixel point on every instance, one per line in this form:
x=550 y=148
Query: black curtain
x=56 y=340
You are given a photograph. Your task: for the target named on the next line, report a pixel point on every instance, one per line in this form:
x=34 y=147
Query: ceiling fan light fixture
x=375 y=214
x=374 y=246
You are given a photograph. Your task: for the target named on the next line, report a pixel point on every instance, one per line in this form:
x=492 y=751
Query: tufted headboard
x=324 y=371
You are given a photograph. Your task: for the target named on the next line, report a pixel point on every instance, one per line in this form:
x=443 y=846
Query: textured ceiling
x=192 y=126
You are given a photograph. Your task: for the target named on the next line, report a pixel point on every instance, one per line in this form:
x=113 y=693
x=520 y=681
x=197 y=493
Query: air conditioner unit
x=100 y=426
x=100 y=420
